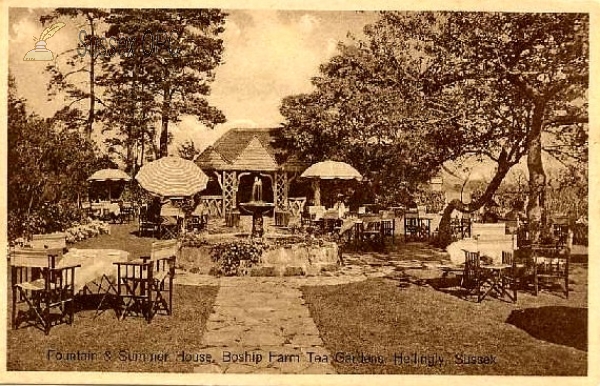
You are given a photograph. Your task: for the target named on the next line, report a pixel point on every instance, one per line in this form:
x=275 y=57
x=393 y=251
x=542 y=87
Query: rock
x=265 y=270
x=329 y=267
x=293 y=271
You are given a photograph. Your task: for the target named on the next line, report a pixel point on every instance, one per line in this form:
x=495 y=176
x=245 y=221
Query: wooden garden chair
x=511 y=278
x=411 y=226
x=47 y=292
x=148 y=224
x=169 y=227
x=134 y=288
x=145 y=286
x=472 y=279
x=163 y=256
x=551 y=268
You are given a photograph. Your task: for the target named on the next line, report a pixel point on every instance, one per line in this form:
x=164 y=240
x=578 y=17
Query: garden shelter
x=236 y=159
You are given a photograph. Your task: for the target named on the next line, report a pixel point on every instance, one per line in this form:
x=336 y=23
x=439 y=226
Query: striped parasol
x=172 y=177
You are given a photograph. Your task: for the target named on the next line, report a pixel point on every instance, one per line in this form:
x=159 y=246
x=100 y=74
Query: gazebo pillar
x=229 y=190
x=280 y=188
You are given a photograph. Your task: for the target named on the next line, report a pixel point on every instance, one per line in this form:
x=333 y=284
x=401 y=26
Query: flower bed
x=78 y=232
x=85 y=231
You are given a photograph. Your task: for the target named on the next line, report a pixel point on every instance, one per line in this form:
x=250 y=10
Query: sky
x=269 y=54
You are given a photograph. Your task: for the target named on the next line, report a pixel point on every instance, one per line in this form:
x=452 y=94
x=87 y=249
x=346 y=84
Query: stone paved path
x=261 y=325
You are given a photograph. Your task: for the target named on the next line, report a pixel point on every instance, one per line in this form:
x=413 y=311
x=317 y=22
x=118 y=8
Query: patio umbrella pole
x=317 y=188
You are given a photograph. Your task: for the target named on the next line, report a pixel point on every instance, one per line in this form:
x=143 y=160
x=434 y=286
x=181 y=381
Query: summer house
x=240 y=155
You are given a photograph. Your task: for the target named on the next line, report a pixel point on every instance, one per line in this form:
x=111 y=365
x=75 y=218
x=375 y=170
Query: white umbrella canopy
x=109 y=175
x=172 y=177
x=105 y=175
x=329 y=170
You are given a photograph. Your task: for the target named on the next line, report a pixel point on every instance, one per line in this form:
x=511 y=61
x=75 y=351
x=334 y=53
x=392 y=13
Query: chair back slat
x=472 y=268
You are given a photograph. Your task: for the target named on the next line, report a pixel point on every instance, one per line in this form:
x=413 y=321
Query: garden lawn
x=377 y=318
x=29 y=349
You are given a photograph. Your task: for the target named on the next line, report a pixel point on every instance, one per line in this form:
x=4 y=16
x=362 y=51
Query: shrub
x=48 y=218
x=193 y=240
x=237 y=257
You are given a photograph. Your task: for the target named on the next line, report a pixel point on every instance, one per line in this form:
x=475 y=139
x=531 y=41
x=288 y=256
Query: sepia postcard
x=299 y=193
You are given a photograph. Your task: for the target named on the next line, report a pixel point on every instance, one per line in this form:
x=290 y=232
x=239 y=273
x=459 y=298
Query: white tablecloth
x=94 y=263
x=490 y=248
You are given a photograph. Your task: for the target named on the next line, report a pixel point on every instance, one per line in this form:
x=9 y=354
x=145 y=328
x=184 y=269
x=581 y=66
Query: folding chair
x=388 y=228
x=411 y=226
x=551 y=268
x=472 y=280
x=371 y=232
x=127 y=211
x=511 y=278
x=424 y=230
x=42 y=288
x=134 y=288
x=163 y=255
x=147 y=224
x=197 y=222
x=169 y=228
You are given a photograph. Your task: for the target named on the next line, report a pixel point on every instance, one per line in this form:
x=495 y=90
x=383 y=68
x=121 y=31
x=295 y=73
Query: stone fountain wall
x=298 y=259
x=278 y=260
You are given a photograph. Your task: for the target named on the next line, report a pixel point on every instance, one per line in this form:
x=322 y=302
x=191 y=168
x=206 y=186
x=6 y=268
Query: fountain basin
x=256 y=207
x=298 y=259
x=285 y=256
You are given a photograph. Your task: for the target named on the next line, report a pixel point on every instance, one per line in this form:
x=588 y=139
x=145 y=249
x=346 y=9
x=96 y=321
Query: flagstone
x=268 y=315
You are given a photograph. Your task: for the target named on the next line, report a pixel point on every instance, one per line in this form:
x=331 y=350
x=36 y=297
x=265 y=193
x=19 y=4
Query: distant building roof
x=246 y=149
x=233 y=142
x=211 y=159
x=255 y=157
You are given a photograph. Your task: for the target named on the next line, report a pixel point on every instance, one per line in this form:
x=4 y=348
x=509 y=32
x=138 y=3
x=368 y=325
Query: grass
x=29 y=349
x=544 y=335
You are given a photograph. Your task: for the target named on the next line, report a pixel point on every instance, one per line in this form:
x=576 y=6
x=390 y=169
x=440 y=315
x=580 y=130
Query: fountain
x=286 y=254
x=257 y=207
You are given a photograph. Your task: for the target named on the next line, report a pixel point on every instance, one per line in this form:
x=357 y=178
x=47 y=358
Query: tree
x=48 y=166
x=187 y=150
x=174 y=54
x=80 y=60
x=357 y=116
x=460 y=85
x=539 y=61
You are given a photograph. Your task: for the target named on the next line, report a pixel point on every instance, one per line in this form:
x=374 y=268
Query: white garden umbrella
x=172 y=177
x=104 y=175
x=109 y=175
x=329 y=170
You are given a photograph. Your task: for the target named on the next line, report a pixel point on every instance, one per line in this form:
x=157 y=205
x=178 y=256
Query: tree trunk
x=164 y=131
x=537 y=176
x=164 y=136
x=444 y=230
x=91 y=113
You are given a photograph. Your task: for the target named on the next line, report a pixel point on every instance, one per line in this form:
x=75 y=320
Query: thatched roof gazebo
x=239 y=156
